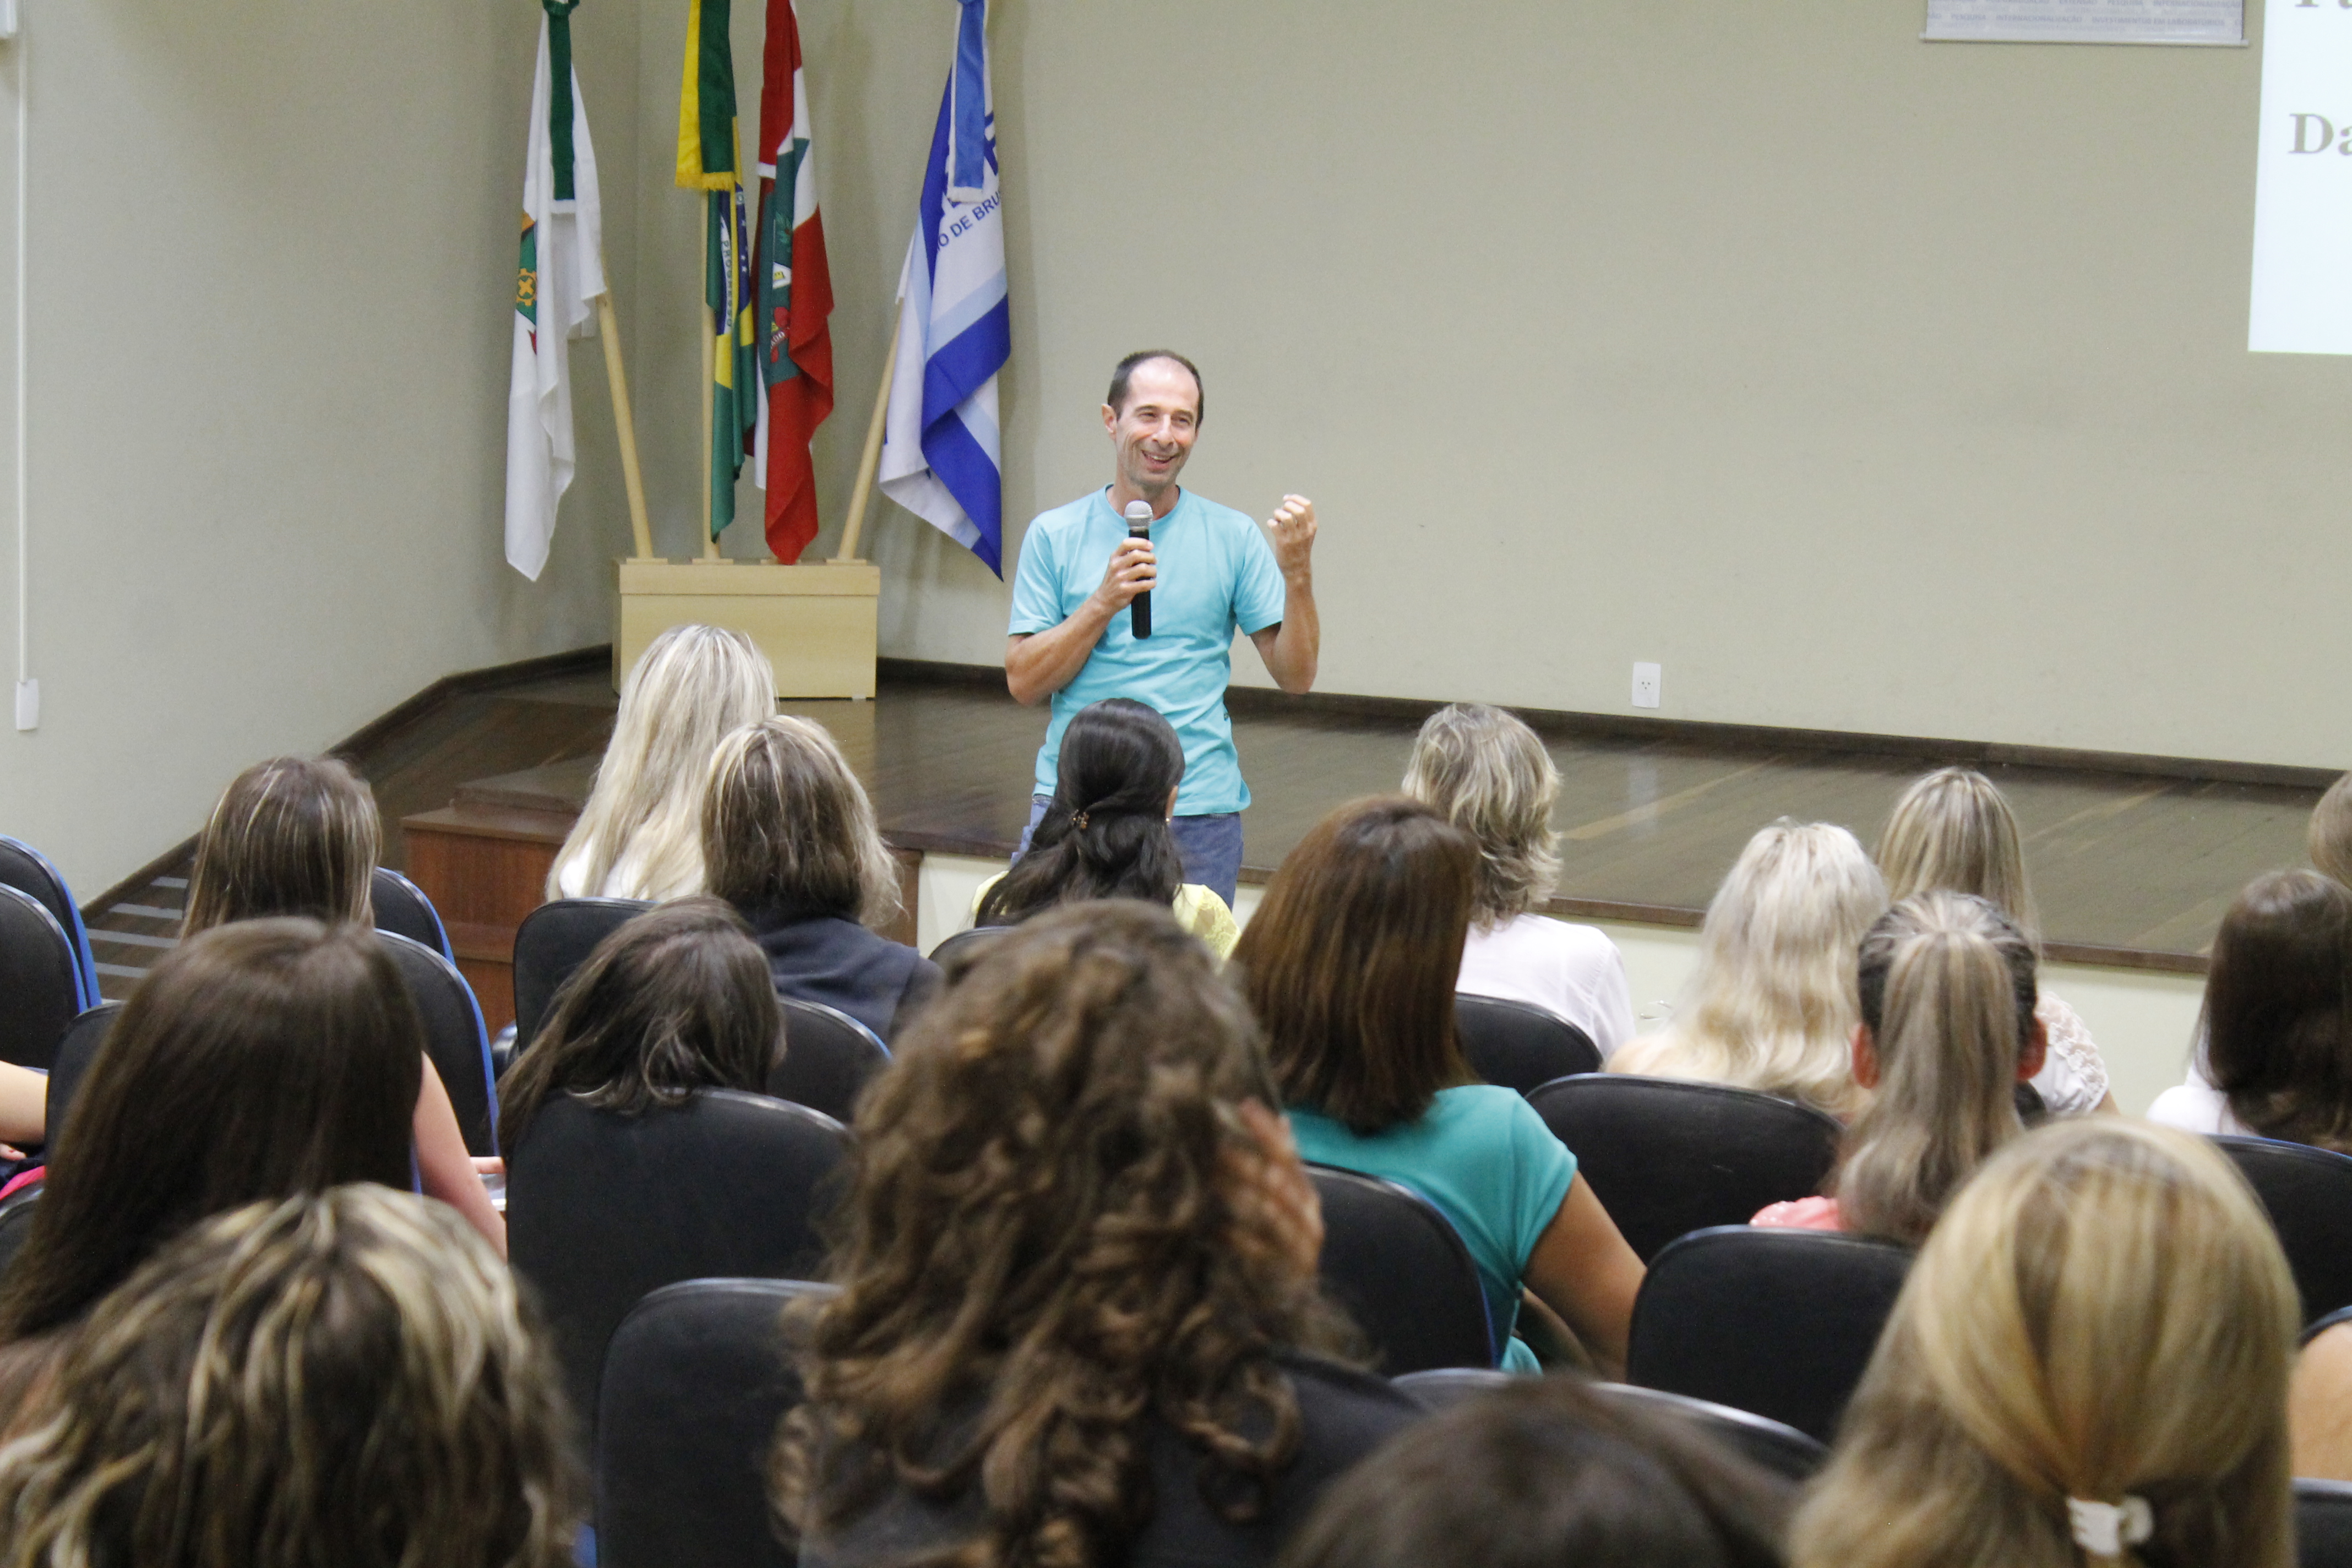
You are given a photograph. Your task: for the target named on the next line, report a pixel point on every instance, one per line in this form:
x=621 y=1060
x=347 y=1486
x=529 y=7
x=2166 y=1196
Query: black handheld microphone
x=1139 y=526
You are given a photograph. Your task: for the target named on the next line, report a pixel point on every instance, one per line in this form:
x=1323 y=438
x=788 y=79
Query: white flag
x=941 y=456
x=559 y=280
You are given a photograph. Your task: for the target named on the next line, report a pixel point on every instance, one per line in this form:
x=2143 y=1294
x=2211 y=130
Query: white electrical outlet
x=7 y=18
x=1645 y=685
x=28 y=705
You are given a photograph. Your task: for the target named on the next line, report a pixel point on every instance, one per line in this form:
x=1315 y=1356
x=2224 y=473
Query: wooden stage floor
x=2130 y=869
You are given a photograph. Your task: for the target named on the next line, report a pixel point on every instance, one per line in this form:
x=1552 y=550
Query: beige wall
x=1865 y=383
x=1862 y=383
x=273 y=251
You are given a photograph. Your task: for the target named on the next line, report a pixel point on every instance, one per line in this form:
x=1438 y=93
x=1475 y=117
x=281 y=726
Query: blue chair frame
x=68 y=914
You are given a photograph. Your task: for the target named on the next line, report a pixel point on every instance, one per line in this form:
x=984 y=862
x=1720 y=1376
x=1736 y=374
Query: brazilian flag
x=707 y=161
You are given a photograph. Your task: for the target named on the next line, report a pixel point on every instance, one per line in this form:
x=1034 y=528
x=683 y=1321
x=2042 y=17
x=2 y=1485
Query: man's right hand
x=1133 y=569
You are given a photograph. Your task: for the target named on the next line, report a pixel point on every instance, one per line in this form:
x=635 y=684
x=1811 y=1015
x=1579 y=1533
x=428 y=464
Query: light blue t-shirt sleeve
x=1544 y=1171
x=1258 y=585
x=1037 y=587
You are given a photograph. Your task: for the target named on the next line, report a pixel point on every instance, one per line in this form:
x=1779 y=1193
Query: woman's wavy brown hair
x=1040 y=1254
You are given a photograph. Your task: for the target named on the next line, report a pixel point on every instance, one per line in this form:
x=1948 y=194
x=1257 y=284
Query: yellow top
x=1197 y=909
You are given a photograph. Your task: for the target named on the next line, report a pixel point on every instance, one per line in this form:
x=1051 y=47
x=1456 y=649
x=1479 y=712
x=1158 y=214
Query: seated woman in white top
x=1487 y=772
x=1952 y=829
x=640 y=836
x=2277 y=1023
x=1106 y=833
x=1771 y=1005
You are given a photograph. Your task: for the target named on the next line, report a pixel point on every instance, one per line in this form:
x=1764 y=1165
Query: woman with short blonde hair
x=640 y=835
x=1487 y=772
x=2089 y=1362
x=2328 y=837
x=789 y=839
x=345 y=1377
x=1954 y=829
x=1771 y=1005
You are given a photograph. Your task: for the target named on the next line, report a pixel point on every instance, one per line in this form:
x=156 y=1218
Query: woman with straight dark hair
x=1349 y=965
x=1542 y=1475
x=1078 y=1297
x=1106 y=833
x=260 y=1059
x=346 y=1378
x=1947 y=1033
x=2277 y=1023
x=299 y=836
x=677 y=1000
x=788 y=837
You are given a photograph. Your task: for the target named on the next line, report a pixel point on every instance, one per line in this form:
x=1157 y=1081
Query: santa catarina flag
x=706 y=162
x=561 y=276
x=941 y=453
x=794 y=295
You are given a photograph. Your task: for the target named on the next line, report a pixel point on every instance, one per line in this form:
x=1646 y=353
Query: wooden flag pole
x=869 y=462
x=624 y=425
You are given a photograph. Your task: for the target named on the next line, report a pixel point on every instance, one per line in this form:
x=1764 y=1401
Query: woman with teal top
x=1350 y=964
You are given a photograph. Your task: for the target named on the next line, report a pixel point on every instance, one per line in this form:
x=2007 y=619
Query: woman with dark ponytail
x=1106 y=833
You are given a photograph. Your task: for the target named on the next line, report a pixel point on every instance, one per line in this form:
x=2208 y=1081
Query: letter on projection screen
x=2303 y=183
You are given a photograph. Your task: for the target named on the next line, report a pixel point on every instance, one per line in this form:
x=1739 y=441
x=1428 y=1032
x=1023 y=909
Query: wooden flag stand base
x=817 y=621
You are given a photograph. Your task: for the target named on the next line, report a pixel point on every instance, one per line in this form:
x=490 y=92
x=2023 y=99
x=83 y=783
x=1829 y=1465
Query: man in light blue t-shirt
x=1072 y=633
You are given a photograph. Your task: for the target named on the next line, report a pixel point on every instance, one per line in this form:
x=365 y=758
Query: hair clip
x=1079 y=822
x=2104 y=1529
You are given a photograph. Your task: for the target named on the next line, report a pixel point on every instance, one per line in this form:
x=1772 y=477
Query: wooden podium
x=817 y=622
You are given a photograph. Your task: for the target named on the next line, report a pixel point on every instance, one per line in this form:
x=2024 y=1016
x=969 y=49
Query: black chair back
x=553 y=940
x=1516 y=1045
x=2307 y=1193
x=828 y=1058
x=1666 y=1156
x=1782 y=1450
x=40 y=983
x=602 y=1208
x=1767 y=1444
x=2323 y=1524
x=29 y=870
x=454 y=1038
x=965 y=944
x=1399 y=1268
x=401 y=908
x=75 y=1051
x=698 y=1378
x=16 y=1223
x=1780 y=1323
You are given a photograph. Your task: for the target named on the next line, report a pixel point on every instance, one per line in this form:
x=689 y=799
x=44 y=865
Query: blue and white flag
x=941 y=456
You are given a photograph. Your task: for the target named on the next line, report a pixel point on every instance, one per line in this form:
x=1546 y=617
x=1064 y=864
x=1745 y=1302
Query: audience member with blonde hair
x=1770 y=1006
x=2328 y=838
x=1948 y=1032
x=259 y=1059
x=2276 y=1059
x=1953 y=829
x=347 y=1378
x=1486 y=771
x=2089 y=1362
x=1079 y=1320
x=640 y=835
x=299 y=836
x=1349 y=965
x=789 y=839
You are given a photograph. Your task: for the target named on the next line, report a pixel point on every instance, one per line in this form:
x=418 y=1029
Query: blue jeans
x=1211 y=846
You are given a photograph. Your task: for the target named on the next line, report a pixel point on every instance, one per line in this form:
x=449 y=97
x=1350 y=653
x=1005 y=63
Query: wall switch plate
x=1645 y=685
x=28 y=705
x=7 y=18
